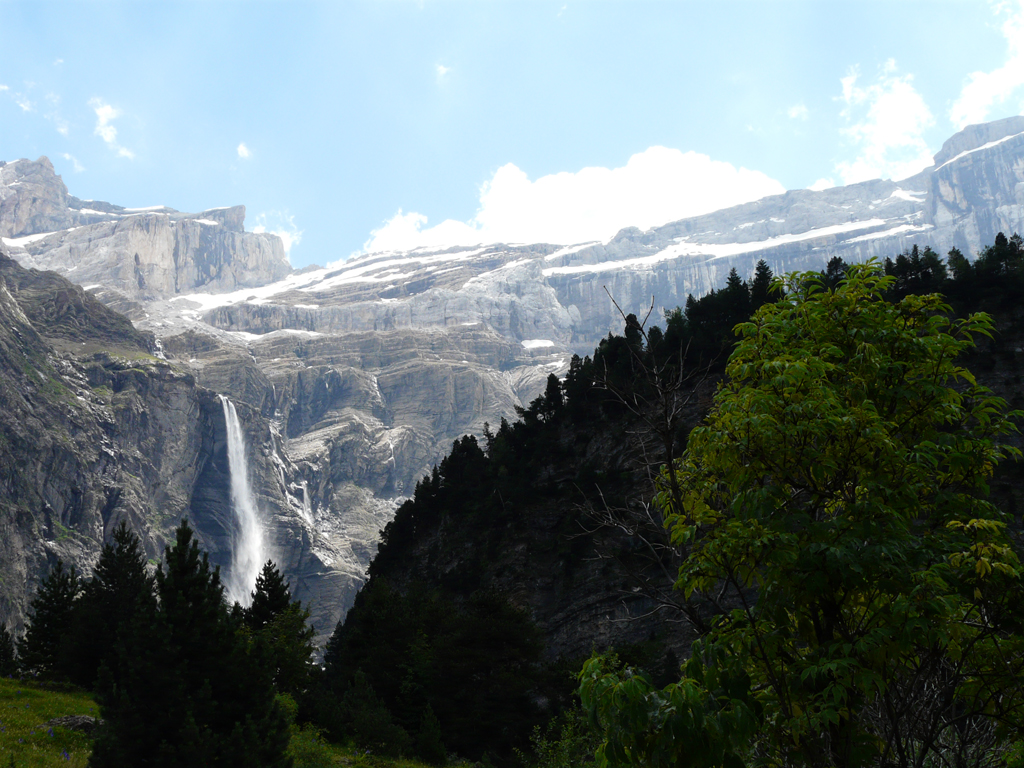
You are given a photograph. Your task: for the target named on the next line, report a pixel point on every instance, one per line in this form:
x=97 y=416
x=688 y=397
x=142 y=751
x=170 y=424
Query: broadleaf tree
x=835 y=511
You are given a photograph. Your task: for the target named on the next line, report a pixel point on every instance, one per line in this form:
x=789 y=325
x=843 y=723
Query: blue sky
x=348 y=125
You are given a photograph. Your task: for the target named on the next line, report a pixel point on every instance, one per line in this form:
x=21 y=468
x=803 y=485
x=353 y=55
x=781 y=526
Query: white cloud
x=105 y=116
x=23 y=102
x=74 y=162
x=886 y=121
x=282 y=224
x=54 y=115
x=58 y=62
x=442 y=70
x=656 y=186
x=4 y=88
x=798 y=112
x=821 y=184
x=243 y=151
x=985 y=90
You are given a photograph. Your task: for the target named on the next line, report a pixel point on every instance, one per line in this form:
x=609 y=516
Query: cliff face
x=565 y=294
x=95 y=428
x=141 y=253
x=353 y=380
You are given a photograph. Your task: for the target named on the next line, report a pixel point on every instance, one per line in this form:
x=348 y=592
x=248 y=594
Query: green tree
x=281 y=626
x=187 y=690
x=429 y=745
x=370 y=721
x=8 y=658
x=120 y=587
x=959 y=265
x=270 y=598
x=43 y=649
x=761 y=286
x=835 y=512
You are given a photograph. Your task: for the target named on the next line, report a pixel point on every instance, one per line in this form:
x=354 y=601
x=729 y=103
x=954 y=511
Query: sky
x=348 y=127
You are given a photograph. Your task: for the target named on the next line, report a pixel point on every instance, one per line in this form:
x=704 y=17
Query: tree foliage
x=834 y=509
x=119 y=589
x=280 y=626
x=187 y=690
x=8 y=656
x=42 y=649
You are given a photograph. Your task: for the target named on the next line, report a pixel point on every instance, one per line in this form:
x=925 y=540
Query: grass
x=24 y=740
x=25 y=743
x=310 y=749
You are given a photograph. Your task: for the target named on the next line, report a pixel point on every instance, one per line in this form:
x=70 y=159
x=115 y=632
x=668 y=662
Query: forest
x=828 y=488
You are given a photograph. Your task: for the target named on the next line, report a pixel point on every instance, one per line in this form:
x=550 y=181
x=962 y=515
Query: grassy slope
x=25 y=742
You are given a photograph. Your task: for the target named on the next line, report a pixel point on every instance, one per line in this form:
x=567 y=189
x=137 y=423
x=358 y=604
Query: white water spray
x=307 y=505
x=247 y=551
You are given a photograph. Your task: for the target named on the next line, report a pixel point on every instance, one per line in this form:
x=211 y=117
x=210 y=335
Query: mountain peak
x=976 y=136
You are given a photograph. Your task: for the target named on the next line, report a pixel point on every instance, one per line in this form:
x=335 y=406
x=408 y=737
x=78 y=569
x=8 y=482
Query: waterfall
x=307 y=505
x=247 y=551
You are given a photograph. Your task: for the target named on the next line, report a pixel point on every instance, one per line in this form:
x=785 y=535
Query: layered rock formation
x=144 y=253
x=564 y=295
x=95 y=428
x=354 y=379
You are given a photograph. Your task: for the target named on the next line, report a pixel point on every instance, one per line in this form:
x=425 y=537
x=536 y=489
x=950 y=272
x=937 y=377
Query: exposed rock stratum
x=351 y=380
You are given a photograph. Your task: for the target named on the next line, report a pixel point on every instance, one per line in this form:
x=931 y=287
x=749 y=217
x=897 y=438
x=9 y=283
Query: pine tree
x=43 y=648
x=8 y=659
x=190 y=692
x=270 y=598
x=429 y=745
x=760 y=287
x=371 y=723
x=280 y=625
x=119 y=588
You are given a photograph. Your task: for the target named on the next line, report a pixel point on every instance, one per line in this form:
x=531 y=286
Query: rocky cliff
x=96 y=427
x=563 y=295
x=352 y=380
x=142 y=253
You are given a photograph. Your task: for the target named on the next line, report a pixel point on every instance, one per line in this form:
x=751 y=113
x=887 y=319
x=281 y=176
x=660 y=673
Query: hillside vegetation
x=552 y=513
x=559 y=535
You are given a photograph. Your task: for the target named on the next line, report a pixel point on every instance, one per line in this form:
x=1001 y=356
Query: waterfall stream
x=247 y=550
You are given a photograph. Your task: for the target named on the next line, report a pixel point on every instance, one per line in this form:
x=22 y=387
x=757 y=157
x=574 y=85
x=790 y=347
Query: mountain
x=563 y=294
x=96 y=426
x=351 y=381
x=146 y=252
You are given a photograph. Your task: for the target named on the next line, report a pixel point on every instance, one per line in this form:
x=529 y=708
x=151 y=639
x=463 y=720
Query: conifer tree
x=8 y=660
x=761 y=285
x=281 y=626
x=429 y=745
x=190 y=692
x=270 y=598
x=120 y=587
x=42 y=648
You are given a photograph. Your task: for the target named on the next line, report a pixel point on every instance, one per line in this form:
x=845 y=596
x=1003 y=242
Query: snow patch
x=908 y=195
x=890 y=232
x=537 y=343
x=569 y=249
x=717 y=250
x=979 y=149
x=20 y=242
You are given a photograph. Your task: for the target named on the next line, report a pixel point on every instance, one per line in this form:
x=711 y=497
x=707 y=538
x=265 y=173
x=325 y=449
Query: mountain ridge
x=354 y=379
